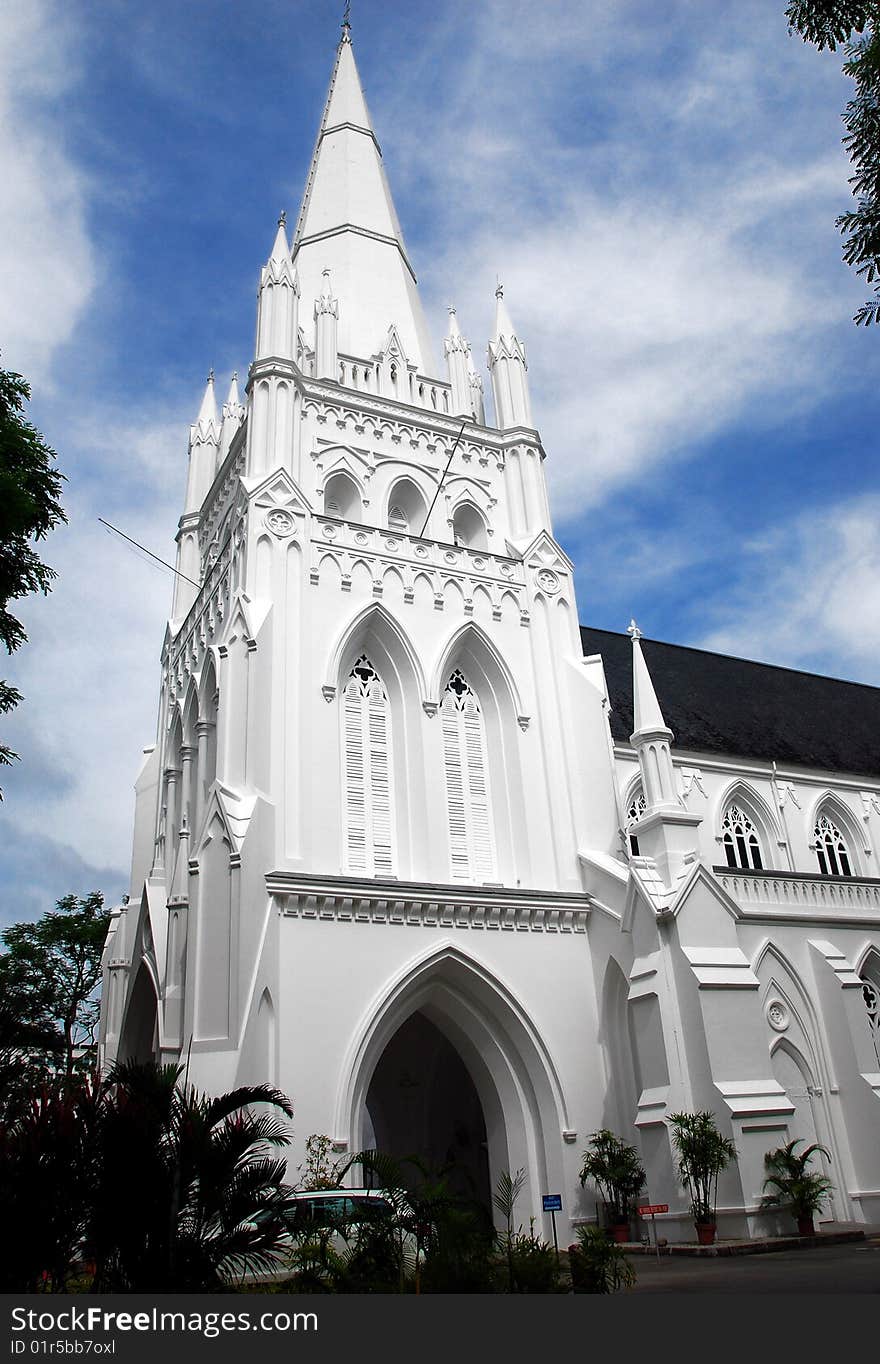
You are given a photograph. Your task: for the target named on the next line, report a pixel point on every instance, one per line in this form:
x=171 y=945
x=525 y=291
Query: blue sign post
x=553 y=1204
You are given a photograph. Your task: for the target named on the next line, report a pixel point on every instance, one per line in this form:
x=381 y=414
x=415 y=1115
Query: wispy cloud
x=47 y=263
x=807 y=594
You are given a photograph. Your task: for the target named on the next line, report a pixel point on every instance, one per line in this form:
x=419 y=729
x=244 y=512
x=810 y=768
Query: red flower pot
x=705 y=1233
x=620 y=1232
x=805 y=1226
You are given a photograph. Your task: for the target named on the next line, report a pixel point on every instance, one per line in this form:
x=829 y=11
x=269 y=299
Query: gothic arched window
x=468 y=801
x=831 y=848
x=637 y=807
x=871 y=996
x=397 y=520
x=739 y=837
x=367 y=769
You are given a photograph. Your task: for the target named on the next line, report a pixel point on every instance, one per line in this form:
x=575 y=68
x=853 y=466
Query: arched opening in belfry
x=140 y=1031
x=422 y=1102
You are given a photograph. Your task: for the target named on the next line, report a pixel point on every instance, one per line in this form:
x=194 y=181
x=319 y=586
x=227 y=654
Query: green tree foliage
x=30 y=506
x=49 y=974
x=141 y=1183
x=855 y=26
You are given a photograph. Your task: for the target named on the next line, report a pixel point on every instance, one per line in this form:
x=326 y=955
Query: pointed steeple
x=277 y=306
x=348 y=223
x=326 y=320
x=208 y=410
x=204 y=441
x=666 y=831
x=507 y=364
x=647 y=715
x=457 y=353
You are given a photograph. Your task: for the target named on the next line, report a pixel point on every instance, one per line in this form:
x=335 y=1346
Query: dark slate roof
x=716 y=704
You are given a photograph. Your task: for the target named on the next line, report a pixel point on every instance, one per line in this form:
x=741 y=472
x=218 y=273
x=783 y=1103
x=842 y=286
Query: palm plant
x=792 y=1184
x=507 y=1191
x=615 y=1168
x=206 y=1206
x=703 y=1152
x=597 y=1264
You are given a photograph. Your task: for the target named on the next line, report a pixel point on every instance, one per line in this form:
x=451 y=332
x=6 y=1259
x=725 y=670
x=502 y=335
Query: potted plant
x=703 y=1152
x=792 y=1184
x=616 y=1170
x=597 y=1264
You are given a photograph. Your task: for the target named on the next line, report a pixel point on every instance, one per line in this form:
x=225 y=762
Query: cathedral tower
x=356 y=848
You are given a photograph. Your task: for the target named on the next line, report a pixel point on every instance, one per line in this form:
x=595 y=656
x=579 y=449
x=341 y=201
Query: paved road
x=852 y=1268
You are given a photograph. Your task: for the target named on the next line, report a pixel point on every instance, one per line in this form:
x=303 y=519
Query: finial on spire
x=633 y=631
x=499 y=289
x=211 y=375
x=282 y=218
x=346 y=22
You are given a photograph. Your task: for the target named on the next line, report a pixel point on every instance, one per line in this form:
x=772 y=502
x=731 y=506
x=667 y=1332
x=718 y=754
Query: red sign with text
x=650 y=1208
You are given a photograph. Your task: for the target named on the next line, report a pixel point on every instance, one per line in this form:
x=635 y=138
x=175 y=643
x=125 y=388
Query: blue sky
x=657 y=187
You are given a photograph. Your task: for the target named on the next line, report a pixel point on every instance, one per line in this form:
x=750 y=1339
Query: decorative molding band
x=351 y=900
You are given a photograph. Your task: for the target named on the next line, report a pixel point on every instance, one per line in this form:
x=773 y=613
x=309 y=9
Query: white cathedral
x=457 y=875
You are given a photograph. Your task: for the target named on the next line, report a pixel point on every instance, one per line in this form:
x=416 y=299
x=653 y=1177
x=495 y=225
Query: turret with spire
x=458 y=359
x=204 y=446
x=507 y=365
x=666 y=831
x=278 y=294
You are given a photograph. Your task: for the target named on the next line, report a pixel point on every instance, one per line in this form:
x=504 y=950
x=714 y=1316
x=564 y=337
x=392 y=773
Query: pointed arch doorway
x=470 y=1046
x=422 y=1101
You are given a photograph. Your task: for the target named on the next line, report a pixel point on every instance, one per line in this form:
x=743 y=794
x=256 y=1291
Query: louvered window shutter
x=471 y=844
x=368 y=804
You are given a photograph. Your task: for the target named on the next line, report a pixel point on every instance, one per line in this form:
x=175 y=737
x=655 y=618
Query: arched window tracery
x=468 y=798
x=739 y=838
x=637 y=807
x=831 y=847
x=367 y=773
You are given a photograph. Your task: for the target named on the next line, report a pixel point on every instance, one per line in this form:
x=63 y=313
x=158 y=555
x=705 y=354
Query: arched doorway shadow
x=140 y=1031
x=505 y=1061
x=422 y=1102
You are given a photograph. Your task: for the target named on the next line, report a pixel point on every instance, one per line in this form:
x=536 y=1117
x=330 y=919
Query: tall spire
x=348 y=224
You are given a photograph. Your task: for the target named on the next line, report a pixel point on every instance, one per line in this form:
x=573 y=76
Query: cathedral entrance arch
x=448 y=1024
x=422 y=1102
x=140 y=1031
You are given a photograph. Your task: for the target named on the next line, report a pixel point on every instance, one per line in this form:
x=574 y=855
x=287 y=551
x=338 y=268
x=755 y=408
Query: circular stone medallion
x=777 y=1015
x=548 y=581
x=279 y=522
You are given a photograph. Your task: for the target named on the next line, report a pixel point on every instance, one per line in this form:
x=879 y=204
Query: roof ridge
x=736 y=658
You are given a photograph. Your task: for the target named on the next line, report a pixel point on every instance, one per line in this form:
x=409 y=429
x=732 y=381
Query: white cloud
x=808 y=594
x=47 y=262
